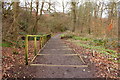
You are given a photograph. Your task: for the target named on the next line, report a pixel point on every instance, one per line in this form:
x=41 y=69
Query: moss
x=5 y=44
x=81 y=38
x=96 y=44
x=99 y=49
x=67 y=36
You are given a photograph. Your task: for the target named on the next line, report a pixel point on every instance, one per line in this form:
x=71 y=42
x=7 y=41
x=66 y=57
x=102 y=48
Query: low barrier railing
x=42 y=40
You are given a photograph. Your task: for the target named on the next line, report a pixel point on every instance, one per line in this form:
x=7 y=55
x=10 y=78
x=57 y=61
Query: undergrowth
x=99 y=45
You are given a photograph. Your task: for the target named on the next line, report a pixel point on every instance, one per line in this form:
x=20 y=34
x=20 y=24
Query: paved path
x=61 y=62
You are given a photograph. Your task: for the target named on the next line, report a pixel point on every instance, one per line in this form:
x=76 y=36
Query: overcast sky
x=58 y=3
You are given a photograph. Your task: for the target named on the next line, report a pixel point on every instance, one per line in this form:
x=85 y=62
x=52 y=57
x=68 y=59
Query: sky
x=58 y=3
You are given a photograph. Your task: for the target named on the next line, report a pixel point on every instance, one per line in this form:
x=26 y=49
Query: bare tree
x=36 y=20
x=15 y=22
x=12 y=33
x=63 y=6
x=41 y=7
x=73 y=4
x=31 y=7
x=49 y=6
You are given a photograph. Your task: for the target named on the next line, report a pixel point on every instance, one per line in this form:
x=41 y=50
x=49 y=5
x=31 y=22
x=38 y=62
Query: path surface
x=57 y=51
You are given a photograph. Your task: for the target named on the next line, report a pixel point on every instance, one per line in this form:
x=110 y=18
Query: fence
x=42 y=40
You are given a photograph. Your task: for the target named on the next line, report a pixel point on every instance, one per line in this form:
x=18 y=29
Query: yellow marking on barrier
x=26 y=49
x=35 y=45
x=40 y=42
x=48 y=65
x=65 y=46
x=61 y=49
x=36 y=35
x=79 y=56
x=58 y=54
x=33 y=58
x=39 y=52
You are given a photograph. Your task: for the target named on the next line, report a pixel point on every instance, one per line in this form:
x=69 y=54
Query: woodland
x=89 y=26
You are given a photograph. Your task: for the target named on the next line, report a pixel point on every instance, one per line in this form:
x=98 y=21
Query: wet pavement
x=56 y=49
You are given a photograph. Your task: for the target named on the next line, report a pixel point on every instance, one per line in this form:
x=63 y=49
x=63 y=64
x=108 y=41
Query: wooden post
x=40 y=42
x=43 y=41
x=46 y=38
x=35 y=45
x=26 y=49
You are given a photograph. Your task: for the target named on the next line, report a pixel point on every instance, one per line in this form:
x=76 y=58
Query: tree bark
x=41 y=8
x=74 y=15
x=15 y=22
x=63 y=6
x=31 y=7
x=35 y=29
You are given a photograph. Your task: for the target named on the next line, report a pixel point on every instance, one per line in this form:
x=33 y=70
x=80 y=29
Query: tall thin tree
x=73 y=4
x=35 y=29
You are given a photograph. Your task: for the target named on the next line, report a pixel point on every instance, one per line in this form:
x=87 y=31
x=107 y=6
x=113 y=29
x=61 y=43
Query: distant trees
x=29 y=18
x=94 y=18
x=97 y=18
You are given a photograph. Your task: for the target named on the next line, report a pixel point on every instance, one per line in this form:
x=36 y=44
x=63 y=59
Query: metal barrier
x=42 y=39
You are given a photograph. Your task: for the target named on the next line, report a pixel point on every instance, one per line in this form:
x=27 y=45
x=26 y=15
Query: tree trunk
x=26 y=5
x=74 y=15
x=31 y=8
x=35 y=29
x=41 y=8
x=15 y=22
x=63 y=6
